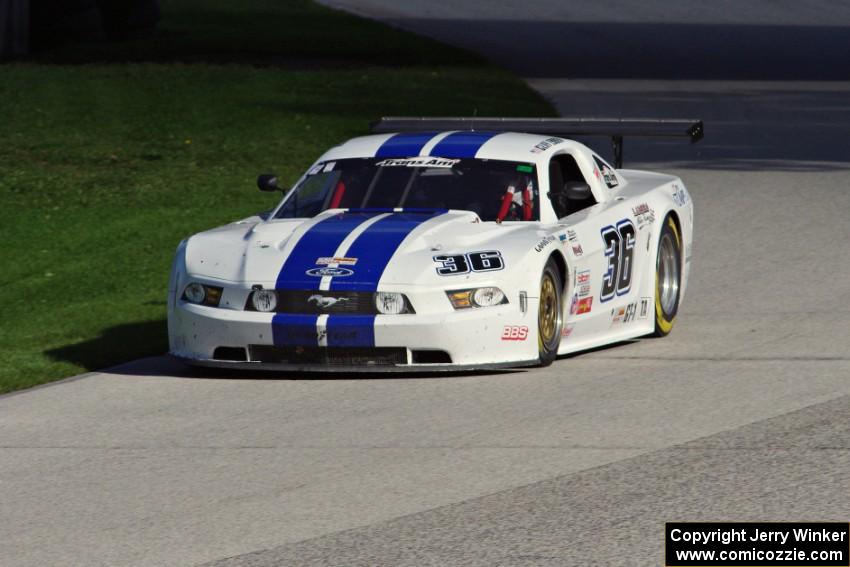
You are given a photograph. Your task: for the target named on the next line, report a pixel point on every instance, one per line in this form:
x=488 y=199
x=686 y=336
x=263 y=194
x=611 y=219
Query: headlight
x=487 y=296
x=202 y=294
x=264 y=300
x=477 y=297
x=390 y=303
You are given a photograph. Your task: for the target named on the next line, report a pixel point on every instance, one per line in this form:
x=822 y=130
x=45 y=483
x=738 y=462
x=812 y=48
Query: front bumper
x=469 y=340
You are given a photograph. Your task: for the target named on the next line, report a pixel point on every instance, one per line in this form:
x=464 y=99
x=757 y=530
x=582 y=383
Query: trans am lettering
x=456 y=264
x=418 y=162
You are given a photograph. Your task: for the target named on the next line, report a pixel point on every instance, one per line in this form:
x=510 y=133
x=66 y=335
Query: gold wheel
x=548 y=313
x=549 y=316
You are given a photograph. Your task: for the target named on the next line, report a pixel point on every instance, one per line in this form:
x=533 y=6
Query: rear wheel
x=549 y=314
x=668 y=277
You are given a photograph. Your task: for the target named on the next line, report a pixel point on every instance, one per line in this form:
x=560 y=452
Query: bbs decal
x=619 y=250
x=456 y=264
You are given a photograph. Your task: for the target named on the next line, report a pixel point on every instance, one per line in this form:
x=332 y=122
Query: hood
x=378 y=246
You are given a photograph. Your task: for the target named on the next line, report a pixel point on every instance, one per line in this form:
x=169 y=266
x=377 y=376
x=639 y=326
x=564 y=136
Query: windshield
x=495 y=190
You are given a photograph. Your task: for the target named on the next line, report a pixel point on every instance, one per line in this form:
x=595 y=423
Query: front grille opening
x=431 y=357
x=330 y=356
x=234 y=354
x=330 y=302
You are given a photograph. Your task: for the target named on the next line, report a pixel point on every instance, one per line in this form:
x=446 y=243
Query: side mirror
x=576 y=191
x=268 y=182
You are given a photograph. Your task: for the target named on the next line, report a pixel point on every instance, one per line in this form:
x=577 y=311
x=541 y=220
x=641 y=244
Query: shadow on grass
x=115 y=345
x=293 y=35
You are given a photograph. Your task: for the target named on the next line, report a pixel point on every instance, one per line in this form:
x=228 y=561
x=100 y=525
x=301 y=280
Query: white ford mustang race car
x=442 y=244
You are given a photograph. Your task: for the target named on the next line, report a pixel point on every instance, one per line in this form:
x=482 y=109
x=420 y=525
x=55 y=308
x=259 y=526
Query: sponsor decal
x=514 y=333
x=577 y=249
x=341 y=261
x=571 y=234
x=608 y=175
x=337 y=336
x=645 y=302
x=546 y=241
x=546 y=144
x=418 y=162
x=584 y=305
x=623 y=314
x=579 y=306
x=457 y=264
x=583 y=283
x=325 y=302
x=644 y=216
x=630 y=312
x=329 y=272
x=680 y=195
x=567 y=330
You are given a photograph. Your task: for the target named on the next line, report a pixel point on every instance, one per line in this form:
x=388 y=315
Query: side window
x=569 y=190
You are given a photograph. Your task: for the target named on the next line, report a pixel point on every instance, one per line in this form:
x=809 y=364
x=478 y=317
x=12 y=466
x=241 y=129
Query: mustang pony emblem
x=323 y=302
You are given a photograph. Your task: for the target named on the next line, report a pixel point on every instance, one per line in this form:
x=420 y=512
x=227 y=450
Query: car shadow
x=143 y=344
x=115 y=345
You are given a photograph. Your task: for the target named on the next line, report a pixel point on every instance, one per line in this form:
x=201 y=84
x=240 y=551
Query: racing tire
x=550 y=314
x=668 y=277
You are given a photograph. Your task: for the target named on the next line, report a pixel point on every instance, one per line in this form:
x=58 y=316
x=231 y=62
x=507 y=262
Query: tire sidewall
x=663 y=319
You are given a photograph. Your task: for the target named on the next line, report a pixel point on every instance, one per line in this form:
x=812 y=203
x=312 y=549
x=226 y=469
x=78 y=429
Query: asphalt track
x=742 y=413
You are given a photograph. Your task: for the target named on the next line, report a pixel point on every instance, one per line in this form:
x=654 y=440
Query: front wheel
x=668 y=277
x=549 y=314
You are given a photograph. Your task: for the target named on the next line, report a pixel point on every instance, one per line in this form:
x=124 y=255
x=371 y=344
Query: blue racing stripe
x=322 y=240
x=461 y=144
x=406 y=144
x=351 y=331
x=290 y=329
x=375 y=247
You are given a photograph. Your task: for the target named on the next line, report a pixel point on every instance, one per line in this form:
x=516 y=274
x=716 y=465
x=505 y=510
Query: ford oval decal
x=329 y=272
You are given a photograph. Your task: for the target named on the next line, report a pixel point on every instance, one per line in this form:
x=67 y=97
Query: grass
x=106 y=165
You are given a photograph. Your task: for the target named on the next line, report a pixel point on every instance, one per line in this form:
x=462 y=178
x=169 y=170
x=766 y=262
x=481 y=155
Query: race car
x=442 y=244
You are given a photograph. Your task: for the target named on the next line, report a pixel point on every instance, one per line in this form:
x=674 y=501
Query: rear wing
x=615 y=128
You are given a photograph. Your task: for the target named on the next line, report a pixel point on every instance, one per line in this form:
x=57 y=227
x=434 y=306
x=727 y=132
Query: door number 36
x=453 y=265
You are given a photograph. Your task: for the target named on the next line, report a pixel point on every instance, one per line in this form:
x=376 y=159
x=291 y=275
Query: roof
x=511 y=146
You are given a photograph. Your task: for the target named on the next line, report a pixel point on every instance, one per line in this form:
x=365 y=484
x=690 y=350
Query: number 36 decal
x=619 y=249
x=453 y=265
